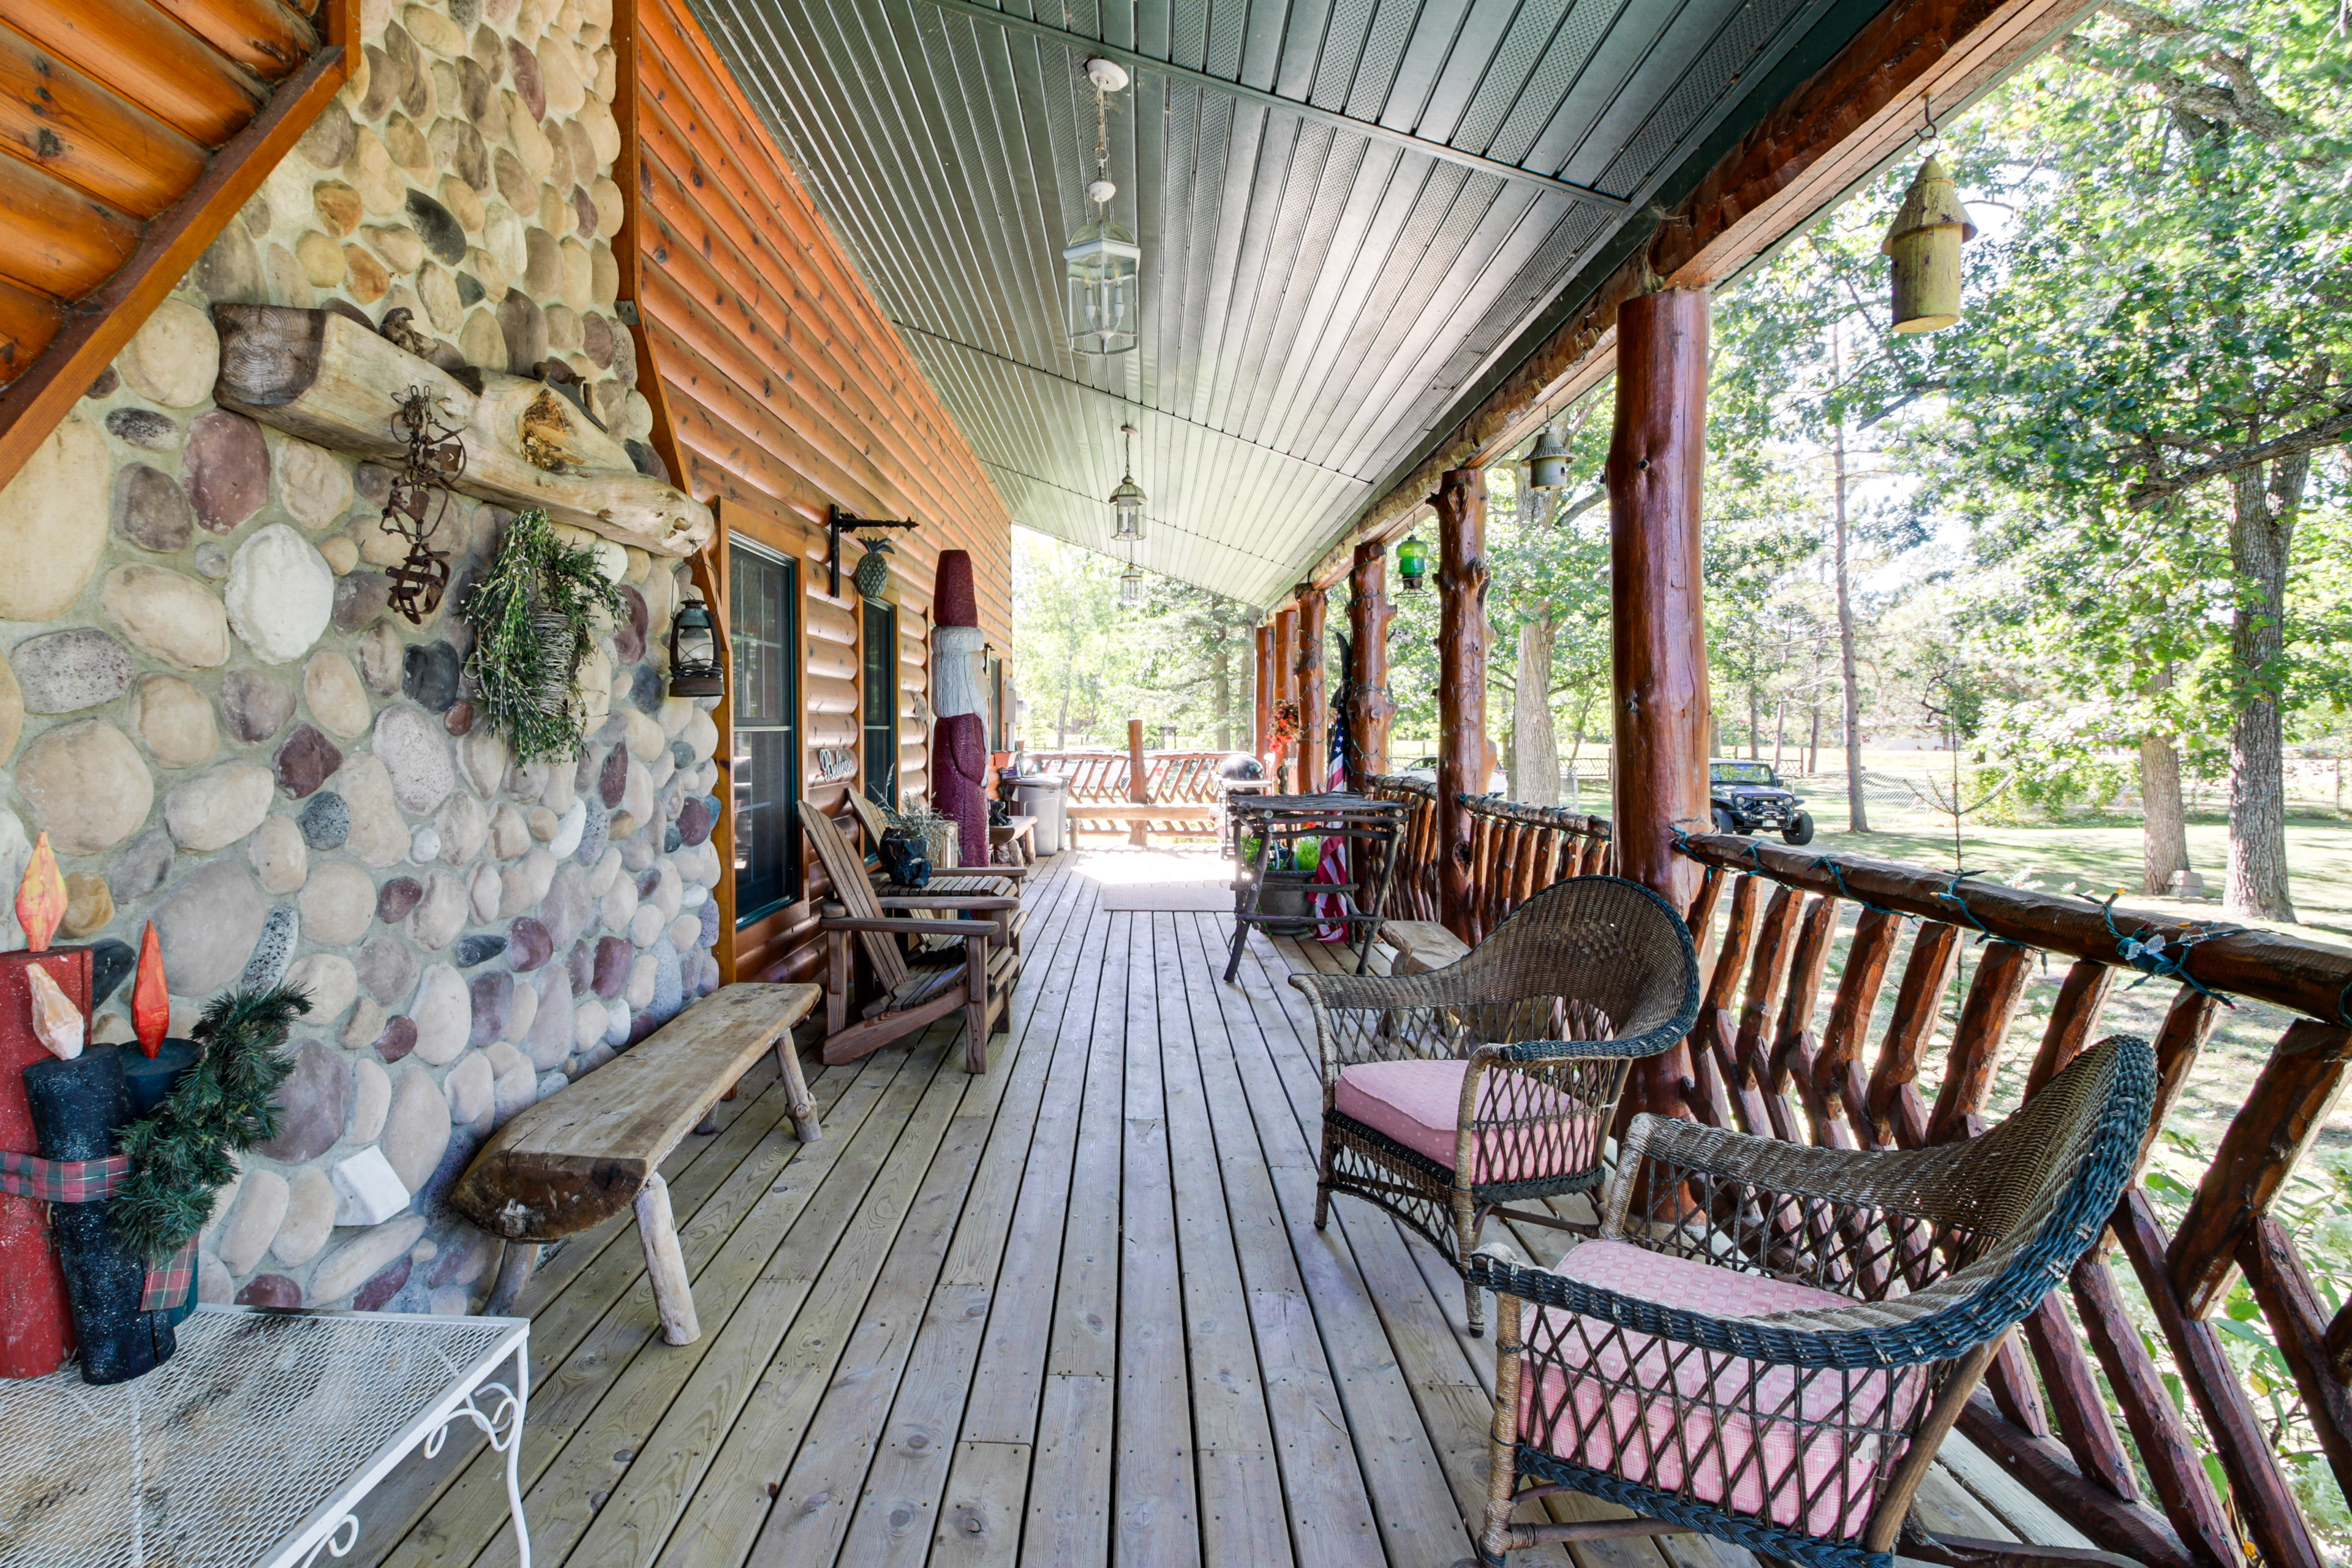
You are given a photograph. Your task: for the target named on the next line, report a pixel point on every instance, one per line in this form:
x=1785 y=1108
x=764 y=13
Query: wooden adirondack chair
x=977 y=974
x=975 y=881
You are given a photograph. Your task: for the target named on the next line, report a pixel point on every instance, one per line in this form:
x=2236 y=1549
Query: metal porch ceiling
x=1323 y=286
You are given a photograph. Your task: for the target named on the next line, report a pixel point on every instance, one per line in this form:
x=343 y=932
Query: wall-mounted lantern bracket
x=842 y=522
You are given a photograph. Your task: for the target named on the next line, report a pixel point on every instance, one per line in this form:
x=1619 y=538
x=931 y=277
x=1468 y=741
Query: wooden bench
x=578 y=1158
x=1016 y=840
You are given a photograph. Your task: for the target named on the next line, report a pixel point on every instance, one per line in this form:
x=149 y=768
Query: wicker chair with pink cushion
x=1769 y=1341
x=1449 y=1094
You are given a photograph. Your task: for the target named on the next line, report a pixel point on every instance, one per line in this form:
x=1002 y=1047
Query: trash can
x=1046 y=798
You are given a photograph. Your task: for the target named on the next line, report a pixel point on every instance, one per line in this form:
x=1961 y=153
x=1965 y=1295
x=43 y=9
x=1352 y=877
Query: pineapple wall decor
x=531 y=620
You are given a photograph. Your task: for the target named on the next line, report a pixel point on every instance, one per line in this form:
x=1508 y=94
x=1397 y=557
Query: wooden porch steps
x=1072 y=1311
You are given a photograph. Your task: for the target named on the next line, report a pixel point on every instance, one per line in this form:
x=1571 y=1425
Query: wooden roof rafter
x=134 y=131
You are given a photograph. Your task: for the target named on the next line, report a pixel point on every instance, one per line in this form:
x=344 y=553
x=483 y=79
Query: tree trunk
x=1224 y=672
x=2262 y=531
x=1857 y=811
x=1755 y=721
x=2164 y=829
x=1535 y=762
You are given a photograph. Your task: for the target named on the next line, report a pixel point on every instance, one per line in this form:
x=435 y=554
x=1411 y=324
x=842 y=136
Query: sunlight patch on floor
x=1124 y=867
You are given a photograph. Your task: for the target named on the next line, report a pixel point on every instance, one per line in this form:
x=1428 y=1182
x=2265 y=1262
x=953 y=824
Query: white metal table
x=253 y=1445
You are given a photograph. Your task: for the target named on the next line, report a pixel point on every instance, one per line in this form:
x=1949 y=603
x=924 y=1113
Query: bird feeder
x=693 y=653
x=1413 y=565
x=1924 y=244
x=1548 y=464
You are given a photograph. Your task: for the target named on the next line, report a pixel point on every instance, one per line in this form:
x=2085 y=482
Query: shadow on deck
x=1074 y=1312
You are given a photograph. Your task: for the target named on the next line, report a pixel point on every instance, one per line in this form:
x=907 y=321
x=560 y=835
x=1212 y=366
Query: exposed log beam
x=1836 y=130
x=1313 y=113
x=322 y=376
x=98 y=325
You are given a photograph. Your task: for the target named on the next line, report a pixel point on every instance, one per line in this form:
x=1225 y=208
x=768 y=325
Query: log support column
x=1370 y=707
x=1314 y=697
x=1262 y=698
x=1656 y=457
x=1463 y=754
x=1139 y=792
x=1285 y=690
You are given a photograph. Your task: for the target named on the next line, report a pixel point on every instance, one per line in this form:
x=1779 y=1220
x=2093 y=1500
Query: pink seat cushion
x=1718 y=1428
x=1419 y=1103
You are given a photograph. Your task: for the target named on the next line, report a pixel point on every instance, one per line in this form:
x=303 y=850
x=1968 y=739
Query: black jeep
x=1749 y=797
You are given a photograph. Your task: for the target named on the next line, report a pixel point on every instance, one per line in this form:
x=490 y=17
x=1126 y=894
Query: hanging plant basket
x=533 y=625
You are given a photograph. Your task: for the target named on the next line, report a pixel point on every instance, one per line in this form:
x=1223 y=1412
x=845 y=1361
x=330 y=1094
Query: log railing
x=1773 y=1055
x=1170 y=778
x=1515 y=851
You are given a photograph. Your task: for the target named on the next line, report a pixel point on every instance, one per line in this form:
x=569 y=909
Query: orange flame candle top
x=41 y=897
x=151 y=1004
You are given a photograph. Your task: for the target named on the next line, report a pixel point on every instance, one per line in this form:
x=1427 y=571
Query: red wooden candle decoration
x=151 y=1002
x=36 y=1321
x=41 y=897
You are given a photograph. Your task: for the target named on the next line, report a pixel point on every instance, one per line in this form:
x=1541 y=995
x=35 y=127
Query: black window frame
x=879 y=681
x=759 y=896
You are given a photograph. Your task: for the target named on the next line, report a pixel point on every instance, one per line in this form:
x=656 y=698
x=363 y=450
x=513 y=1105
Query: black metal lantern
x=694 y=668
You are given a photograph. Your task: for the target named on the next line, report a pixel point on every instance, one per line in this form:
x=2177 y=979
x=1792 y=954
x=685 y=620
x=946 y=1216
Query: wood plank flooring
x=1073 y=1311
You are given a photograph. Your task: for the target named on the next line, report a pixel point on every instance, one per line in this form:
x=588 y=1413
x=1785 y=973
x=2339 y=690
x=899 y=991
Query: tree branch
x=2331 y=431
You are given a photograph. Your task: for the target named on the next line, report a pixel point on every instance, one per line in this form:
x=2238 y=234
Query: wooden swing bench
x=576 y=1158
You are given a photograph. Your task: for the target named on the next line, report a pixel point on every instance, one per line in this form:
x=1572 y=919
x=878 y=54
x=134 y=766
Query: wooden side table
x=1015 y=843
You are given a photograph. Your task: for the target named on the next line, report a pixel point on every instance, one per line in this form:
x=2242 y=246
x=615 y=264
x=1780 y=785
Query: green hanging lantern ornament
x=1413 y=565
x=1925 y=246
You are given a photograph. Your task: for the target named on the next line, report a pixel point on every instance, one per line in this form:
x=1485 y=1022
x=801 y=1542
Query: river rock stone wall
x=207 y=704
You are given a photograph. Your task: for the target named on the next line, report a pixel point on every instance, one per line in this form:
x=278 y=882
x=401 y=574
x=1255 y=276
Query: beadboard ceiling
x=1356 y=216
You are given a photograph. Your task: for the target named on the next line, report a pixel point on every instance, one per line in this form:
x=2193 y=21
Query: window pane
x=767 y=749
x=881 y=702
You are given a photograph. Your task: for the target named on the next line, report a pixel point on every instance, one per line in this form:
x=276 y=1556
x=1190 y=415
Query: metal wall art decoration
x=420 y=494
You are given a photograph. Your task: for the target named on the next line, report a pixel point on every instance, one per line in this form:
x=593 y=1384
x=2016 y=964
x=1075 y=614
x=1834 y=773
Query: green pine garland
x=533 y=625
x=183 y=1153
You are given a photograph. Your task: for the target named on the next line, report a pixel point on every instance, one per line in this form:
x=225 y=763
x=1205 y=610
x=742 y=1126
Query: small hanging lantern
x=1130 y=586
x=1413 y=565
x=1924 y=244
x=1102 y=262
x=1548 y=464
x=693 y=653
x=1127 y=500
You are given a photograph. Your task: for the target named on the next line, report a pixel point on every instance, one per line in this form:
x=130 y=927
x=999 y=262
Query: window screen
x=881 y=703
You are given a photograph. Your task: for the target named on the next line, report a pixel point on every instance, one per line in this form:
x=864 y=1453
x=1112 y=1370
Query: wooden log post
x=1314 y=696
x=1285 y=690
x=665 y=1264
x=1262 y=698
x=1139 y=786
x=1463 y=763
x=1657 y=458
x=1370 y=707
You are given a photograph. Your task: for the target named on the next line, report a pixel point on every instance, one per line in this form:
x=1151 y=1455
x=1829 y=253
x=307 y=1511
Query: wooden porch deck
x=1074 y=1312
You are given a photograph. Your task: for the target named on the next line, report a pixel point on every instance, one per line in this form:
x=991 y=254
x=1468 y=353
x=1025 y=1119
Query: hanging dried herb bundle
x=184 y=1152
x=533 y=624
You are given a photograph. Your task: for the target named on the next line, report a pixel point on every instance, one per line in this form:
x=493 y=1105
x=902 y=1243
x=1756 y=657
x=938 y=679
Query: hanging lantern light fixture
x=1924 y=249
x=1102 y=262
x=1548 y=464
x=1130 y=586
x=1413 y=565
x=693 y=653
x=1127 y=500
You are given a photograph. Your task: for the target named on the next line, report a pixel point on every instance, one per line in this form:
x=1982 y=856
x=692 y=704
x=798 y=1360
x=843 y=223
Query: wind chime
x=420 y=494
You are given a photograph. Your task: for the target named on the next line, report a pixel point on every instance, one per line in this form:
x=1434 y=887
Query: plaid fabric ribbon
x=87 y=1181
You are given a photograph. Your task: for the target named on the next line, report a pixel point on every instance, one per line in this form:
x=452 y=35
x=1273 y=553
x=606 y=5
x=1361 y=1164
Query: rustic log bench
x=576 y=1158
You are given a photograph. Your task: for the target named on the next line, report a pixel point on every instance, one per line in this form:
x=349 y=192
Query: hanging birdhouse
x=1924 y=244
x=1548 y=464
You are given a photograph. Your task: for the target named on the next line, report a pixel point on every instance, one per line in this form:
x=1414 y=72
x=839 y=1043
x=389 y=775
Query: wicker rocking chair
x=1492 y=1080
x=1770 y=1340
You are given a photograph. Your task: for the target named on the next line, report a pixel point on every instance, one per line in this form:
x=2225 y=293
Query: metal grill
x=264 y=1427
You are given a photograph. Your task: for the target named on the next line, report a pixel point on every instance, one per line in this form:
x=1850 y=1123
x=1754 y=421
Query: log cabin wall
x=207 y=703
x=781 y=391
